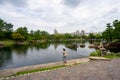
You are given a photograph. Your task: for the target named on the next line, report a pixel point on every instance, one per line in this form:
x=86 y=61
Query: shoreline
x=8 y=72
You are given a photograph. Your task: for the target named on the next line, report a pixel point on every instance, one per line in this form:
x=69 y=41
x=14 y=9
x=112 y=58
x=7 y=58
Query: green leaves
x=5 y=29
x=112 y=31
x=23 y=32
x=17 y=36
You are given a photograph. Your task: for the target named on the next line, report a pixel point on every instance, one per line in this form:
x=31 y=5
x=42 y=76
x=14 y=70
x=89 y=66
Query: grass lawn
x=7 y=42
x=110 y=55
x=35 y=70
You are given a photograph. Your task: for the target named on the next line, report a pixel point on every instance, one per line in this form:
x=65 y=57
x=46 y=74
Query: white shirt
x=64 y=53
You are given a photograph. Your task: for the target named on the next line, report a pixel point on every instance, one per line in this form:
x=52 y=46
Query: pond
x=25 y=55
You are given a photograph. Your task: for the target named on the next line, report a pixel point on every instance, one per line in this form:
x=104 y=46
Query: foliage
x=116 y=25
x=95 y=53
x=7 y=42
x=67 y=36
x=83 y=37
x=98 y=36
x=40 y=35
x=91 y=36
x=44 y=35
x=23 y=32
x=5 y=29
x=107 y=34
x=114 y=46
x=36 y=70
x=58 y=36
x=113 y=55
x=36 y=35
x=112 y=31
x=4 y=26
x=110 y=55
x=17 y=36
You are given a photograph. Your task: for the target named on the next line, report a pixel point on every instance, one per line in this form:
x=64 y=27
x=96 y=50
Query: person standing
x=64 y=55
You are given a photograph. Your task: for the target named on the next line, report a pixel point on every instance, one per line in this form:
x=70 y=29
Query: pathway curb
x=8 y=72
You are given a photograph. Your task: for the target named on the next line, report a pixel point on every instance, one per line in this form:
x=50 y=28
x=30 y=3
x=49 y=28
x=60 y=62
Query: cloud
x=64 y=15
x=18 y=3
x=72 y=3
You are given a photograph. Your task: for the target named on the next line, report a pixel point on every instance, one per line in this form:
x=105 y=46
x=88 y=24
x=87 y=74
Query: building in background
x=82 y=32
x=78 y=33
x=55 y=31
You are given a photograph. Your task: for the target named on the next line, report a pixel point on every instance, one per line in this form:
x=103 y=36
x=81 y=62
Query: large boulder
x=1 y=44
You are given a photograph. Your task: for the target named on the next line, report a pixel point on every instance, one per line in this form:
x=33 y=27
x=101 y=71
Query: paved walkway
x=8 y=72
x=95 y=70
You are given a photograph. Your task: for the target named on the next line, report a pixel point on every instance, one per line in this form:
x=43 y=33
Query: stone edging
x=32 y=73
x=8 y=72
x=99 y=58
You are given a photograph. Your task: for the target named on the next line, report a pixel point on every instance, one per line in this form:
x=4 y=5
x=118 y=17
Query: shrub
x=114 y=47
x=95 y=53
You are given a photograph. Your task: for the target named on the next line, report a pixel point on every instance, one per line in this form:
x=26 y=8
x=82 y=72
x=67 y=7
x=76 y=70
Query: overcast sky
x=63 y=15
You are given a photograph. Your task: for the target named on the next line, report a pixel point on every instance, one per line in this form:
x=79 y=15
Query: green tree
x=23 y=31
x=36 y=35
x=5 y=29
x=31 y=32
x=116 y=25
x=91 y=36
x=1 y=24
x=107 y=34
x=17 y=37
x=83 y=37
x=44 y=35
x=58 y=36
x=109 y=29
x=51 y=36
x=98 y=36
x=67 y=36
x=112 y=31
x=39 y=35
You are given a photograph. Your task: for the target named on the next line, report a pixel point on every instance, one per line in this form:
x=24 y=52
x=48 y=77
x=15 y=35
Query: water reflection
x=71 y=47
x=55 y=45
x=5 y=56
x=20 y=49
x=41 y=46
x=25 y=55
x=92 y=41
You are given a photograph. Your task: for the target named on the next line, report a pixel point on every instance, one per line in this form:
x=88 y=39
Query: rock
x=82 y=45
x=92 y=46
x=99 y=58
x=1 y=44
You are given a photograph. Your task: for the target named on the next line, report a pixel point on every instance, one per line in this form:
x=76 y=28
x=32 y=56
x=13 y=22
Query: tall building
x=77 y=33
x=82 y=32
x=55 y=31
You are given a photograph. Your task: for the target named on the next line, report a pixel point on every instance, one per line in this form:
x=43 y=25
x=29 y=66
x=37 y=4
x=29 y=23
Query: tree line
x=112 y=32
x=5 y=29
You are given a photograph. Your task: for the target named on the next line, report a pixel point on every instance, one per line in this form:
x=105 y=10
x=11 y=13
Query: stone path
x=8 y=72
x=95 y=70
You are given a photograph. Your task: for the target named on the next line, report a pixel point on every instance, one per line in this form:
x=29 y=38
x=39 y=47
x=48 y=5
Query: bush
x=95 y=53
x=114 y=47
x=113 y=55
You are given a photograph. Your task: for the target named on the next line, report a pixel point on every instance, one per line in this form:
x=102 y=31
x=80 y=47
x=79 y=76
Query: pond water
x=18 y=56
